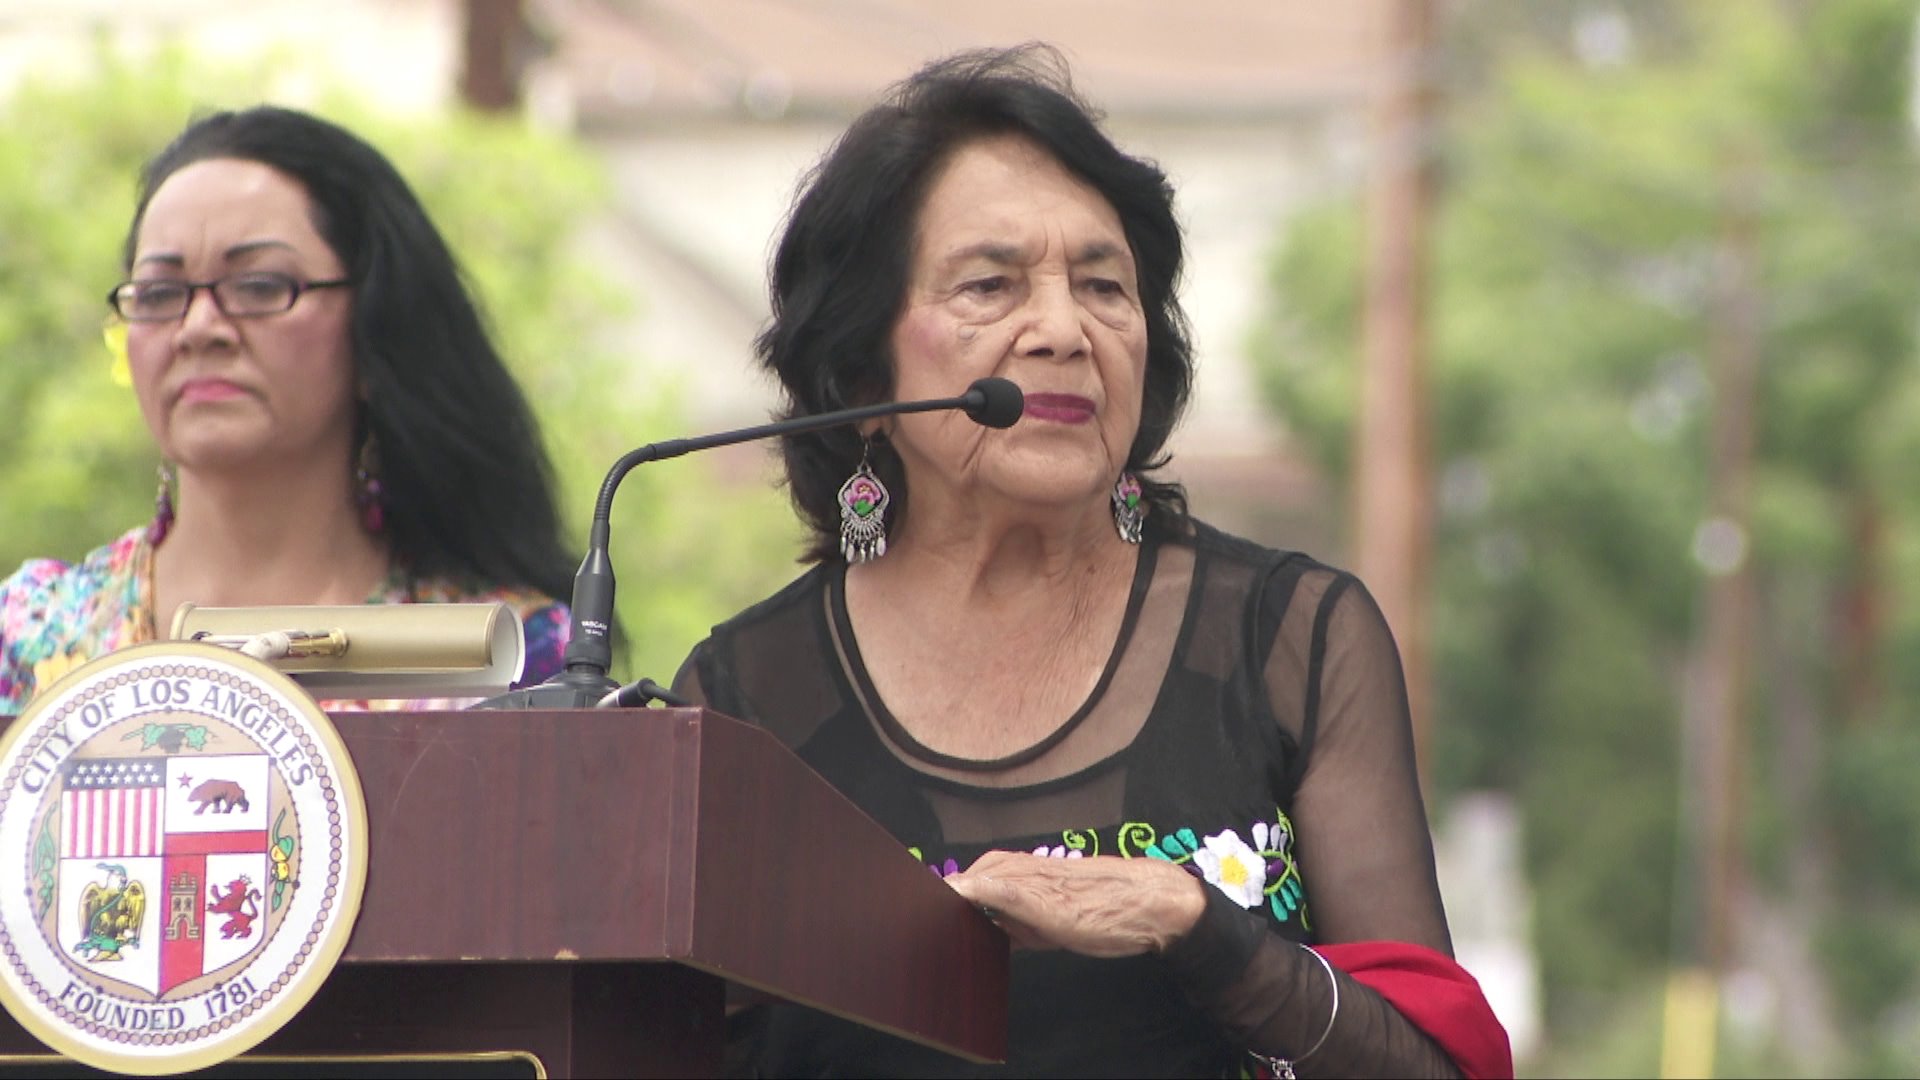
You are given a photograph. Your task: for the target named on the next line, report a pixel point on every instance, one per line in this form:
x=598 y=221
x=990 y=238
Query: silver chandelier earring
x=863 y=513
x=1129 y=512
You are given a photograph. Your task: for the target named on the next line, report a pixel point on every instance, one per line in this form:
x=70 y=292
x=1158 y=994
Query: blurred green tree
x=77 y=465
x=1582 y=232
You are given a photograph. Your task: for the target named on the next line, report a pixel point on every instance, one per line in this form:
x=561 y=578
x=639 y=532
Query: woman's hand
x=1101 y=906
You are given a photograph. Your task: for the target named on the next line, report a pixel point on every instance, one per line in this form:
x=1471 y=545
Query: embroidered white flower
x=1058 y=851
x=1236 y=869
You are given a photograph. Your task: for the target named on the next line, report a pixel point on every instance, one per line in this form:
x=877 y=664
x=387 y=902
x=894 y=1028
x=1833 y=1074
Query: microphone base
x=567 y=690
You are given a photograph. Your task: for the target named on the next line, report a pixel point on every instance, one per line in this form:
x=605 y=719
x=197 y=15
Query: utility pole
x=1861 y=615
x=1393 y=474
x=1714 y=720
x=494 y=38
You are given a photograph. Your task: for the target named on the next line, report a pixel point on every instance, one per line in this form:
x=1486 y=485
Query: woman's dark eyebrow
x=994 y=251
x=1102 y=249
x=1008 y=254
x=251 y=246
x=169 y=258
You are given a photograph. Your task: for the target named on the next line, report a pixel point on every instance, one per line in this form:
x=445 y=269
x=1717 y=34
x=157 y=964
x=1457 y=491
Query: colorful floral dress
x=1191 y=749
x=55 y=616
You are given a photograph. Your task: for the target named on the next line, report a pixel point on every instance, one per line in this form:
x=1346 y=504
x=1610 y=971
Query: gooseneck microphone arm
x=991 y=402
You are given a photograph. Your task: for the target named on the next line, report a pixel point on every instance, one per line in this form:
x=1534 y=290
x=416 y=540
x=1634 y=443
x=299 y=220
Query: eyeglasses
x=238 y=296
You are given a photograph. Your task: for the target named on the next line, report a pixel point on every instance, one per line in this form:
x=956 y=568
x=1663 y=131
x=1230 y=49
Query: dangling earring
x=367 y=492
x=863 y=513
x=1128 y=511
x=162 y=522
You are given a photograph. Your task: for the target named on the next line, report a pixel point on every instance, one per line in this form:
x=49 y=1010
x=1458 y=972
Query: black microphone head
x=995 y=402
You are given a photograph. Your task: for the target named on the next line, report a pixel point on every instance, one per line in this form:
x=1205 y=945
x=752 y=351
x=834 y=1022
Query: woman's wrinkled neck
x=1004 y=555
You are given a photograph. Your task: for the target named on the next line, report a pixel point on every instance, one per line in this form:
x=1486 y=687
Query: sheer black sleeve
x=1365 y=854
x=687 y=682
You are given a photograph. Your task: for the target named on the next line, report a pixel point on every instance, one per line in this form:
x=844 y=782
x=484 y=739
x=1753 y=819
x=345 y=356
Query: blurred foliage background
x=1606 y=180
x=76 y=461
x=1615 y=181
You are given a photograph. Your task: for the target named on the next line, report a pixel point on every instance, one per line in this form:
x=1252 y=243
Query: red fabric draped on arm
x=1437 y=996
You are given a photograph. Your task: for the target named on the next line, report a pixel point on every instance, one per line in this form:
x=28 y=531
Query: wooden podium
x=582 y=885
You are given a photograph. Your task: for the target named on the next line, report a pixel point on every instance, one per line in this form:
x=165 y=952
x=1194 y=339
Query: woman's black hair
x=840 y=275
x=467 y=485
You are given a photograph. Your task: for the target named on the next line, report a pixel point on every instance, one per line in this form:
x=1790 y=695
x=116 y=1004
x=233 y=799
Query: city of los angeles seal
x=182 y=852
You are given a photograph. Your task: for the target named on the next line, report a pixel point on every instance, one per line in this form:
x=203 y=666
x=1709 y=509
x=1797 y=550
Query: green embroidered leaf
x=1136 y=836
x=1186 y=837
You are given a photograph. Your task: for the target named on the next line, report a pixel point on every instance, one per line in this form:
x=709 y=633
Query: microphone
x=584 y=683
x=637 y=694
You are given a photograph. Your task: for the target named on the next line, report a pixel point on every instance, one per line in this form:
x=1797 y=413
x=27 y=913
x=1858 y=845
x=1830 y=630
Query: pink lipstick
x=210 y=390
x=1060 y=408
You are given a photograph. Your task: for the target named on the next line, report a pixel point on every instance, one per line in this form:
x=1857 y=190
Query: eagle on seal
x=110 y=915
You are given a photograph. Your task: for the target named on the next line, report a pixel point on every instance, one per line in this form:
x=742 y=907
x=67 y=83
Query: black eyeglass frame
x=294 y=288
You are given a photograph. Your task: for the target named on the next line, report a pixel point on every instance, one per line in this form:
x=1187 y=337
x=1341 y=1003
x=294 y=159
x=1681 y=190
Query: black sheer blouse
x=1250 y=726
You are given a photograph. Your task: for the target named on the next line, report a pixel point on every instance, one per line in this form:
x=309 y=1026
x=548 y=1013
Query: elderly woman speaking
x=1175 y=766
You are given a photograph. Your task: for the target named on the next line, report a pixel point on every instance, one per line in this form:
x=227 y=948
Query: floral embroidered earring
x=368 y=495
x=863 y=513
x=1128 y=511
x=162 y=522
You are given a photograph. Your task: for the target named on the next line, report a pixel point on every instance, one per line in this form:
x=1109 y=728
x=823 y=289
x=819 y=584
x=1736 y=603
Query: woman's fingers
x=1100 y=906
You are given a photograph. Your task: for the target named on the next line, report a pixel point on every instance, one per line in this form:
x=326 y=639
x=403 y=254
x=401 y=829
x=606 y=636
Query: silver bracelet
x=1283 y=1067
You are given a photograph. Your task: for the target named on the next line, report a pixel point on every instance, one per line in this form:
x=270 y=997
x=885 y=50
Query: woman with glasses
x=333 y=423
